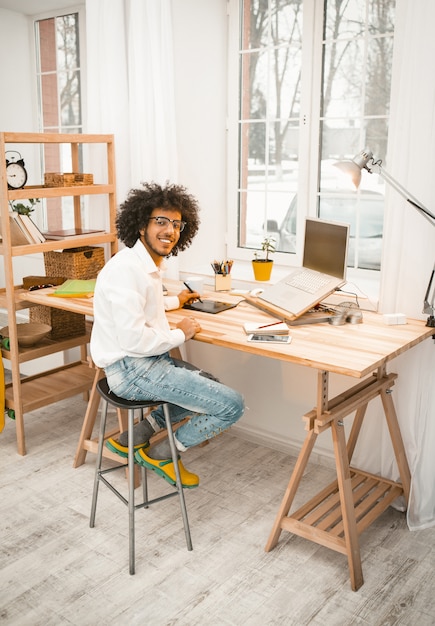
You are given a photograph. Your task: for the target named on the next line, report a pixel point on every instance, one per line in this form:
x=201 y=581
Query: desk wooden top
x=352 y=349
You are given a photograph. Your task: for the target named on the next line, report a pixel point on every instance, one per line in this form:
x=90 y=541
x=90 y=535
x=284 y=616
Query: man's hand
x=187 y=296
x=190 y=326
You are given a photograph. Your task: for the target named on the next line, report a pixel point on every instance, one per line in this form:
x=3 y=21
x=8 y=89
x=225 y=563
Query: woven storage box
x=63 y=324
x=55 y=179
x=80 y=263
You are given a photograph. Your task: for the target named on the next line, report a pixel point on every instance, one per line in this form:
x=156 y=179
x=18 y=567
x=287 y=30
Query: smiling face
x=159 y=240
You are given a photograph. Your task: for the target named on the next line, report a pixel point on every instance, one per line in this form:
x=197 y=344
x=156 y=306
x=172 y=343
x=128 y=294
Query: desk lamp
x=365 y=160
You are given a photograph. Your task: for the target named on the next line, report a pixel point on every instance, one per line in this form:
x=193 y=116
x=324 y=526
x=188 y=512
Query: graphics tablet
x=209 y=306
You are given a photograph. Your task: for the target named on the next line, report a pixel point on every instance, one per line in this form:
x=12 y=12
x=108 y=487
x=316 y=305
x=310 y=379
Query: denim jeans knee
x=211 y=406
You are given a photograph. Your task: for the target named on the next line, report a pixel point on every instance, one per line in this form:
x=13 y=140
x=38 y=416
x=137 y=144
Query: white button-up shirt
x=129 y=309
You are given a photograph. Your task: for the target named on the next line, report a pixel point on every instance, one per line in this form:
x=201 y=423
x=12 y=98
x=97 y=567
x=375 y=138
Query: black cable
x=350 y=293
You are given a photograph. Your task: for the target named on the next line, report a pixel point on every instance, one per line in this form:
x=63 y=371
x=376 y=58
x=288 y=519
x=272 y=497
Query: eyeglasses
x=164 y=221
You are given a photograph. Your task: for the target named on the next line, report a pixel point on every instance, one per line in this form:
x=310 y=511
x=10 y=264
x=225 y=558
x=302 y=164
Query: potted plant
x=24 y=209
x=263 y=267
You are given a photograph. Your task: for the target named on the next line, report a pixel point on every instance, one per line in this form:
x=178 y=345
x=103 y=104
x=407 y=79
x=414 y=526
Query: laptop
x=323 y=271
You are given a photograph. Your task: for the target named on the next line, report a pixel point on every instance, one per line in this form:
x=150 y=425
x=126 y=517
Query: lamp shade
x=353 y=168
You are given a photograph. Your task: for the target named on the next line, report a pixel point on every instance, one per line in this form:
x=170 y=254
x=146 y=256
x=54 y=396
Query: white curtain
x=151 y=91
x=130 y=89
x=408 y=258
x=107 y=82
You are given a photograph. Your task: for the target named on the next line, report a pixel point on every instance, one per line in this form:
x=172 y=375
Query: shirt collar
x=150 y=266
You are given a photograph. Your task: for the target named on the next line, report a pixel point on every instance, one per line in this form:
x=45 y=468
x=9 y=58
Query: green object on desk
x=75 y=288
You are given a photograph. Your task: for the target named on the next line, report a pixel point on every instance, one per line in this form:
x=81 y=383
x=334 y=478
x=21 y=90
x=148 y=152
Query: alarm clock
x=16 y=174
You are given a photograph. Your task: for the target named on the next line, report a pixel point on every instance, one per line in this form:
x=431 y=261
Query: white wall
x=16 y=73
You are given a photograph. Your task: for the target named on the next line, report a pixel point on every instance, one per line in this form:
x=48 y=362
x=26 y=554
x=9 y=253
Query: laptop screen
x=325 y=248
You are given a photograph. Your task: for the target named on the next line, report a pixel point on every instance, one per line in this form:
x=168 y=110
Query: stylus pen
x=191 y=290
x=267 y=325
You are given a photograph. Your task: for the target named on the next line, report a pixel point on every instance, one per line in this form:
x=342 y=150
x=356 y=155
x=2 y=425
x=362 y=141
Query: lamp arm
x=405 y=194
x=428 y=300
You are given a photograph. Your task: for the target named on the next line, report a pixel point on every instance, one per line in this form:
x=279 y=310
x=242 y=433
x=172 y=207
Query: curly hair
x=135 y=212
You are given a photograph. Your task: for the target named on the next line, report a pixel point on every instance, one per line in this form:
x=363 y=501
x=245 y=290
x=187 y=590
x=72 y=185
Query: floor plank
x=55 y=570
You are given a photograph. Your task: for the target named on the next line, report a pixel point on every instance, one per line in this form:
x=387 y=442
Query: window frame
x=81 y=11
x=309 y=130
x=58 y=212
x=308 y=133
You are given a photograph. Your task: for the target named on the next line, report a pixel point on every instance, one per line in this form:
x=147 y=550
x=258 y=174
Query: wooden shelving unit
x=33 y=392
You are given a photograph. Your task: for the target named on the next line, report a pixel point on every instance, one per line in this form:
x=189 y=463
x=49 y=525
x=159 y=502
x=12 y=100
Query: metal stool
x=121 y=403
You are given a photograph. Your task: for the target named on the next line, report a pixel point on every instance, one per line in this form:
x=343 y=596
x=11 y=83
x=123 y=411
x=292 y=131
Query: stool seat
x=123 y=403
x=131 y=406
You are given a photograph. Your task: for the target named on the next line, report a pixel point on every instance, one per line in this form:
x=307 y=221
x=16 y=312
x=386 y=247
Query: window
x=60 y=102
x=59 y=73
x=314 y=87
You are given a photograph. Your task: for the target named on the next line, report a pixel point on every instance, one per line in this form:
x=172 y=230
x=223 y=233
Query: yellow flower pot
x=262 y=269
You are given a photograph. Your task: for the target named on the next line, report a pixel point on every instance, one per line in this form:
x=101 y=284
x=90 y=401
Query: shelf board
x=52 y=386
x=40 y=191
x=49 y=346
x=21 y=303
x=12 y=137
x=63 y=244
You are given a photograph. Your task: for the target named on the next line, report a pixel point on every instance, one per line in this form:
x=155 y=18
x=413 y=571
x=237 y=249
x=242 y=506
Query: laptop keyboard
x=307 y=281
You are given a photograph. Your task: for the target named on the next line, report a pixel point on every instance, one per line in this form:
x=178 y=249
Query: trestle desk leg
x=292 y=487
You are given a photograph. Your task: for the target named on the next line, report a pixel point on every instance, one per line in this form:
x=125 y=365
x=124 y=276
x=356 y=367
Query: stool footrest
x=142 y=505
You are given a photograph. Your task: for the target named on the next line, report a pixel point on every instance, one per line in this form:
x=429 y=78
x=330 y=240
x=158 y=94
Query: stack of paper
x=266 y=328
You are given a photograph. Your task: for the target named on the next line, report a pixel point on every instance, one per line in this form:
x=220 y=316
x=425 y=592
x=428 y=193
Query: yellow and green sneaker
x=165 y=468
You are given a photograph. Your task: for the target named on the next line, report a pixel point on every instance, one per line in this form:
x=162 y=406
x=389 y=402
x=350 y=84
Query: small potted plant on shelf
x=24 y=209
x=263 y=267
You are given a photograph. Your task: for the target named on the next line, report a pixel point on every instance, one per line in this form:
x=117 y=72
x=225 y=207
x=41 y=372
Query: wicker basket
x=55 y=179
x=63 y=324
x=80 y=263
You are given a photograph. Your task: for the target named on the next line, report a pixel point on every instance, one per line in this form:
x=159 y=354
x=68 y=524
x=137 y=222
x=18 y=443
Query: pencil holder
x=222 y=282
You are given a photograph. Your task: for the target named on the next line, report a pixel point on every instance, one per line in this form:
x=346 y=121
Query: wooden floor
x=55 y=570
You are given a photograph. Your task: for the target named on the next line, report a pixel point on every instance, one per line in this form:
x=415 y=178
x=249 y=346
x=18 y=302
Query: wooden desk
x=340 y=512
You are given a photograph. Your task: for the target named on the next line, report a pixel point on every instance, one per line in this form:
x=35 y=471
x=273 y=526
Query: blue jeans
x=212 y=406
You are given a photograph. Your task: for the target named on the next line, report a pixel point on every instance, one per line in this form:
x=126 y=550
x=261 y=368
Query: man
x=131 y=337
